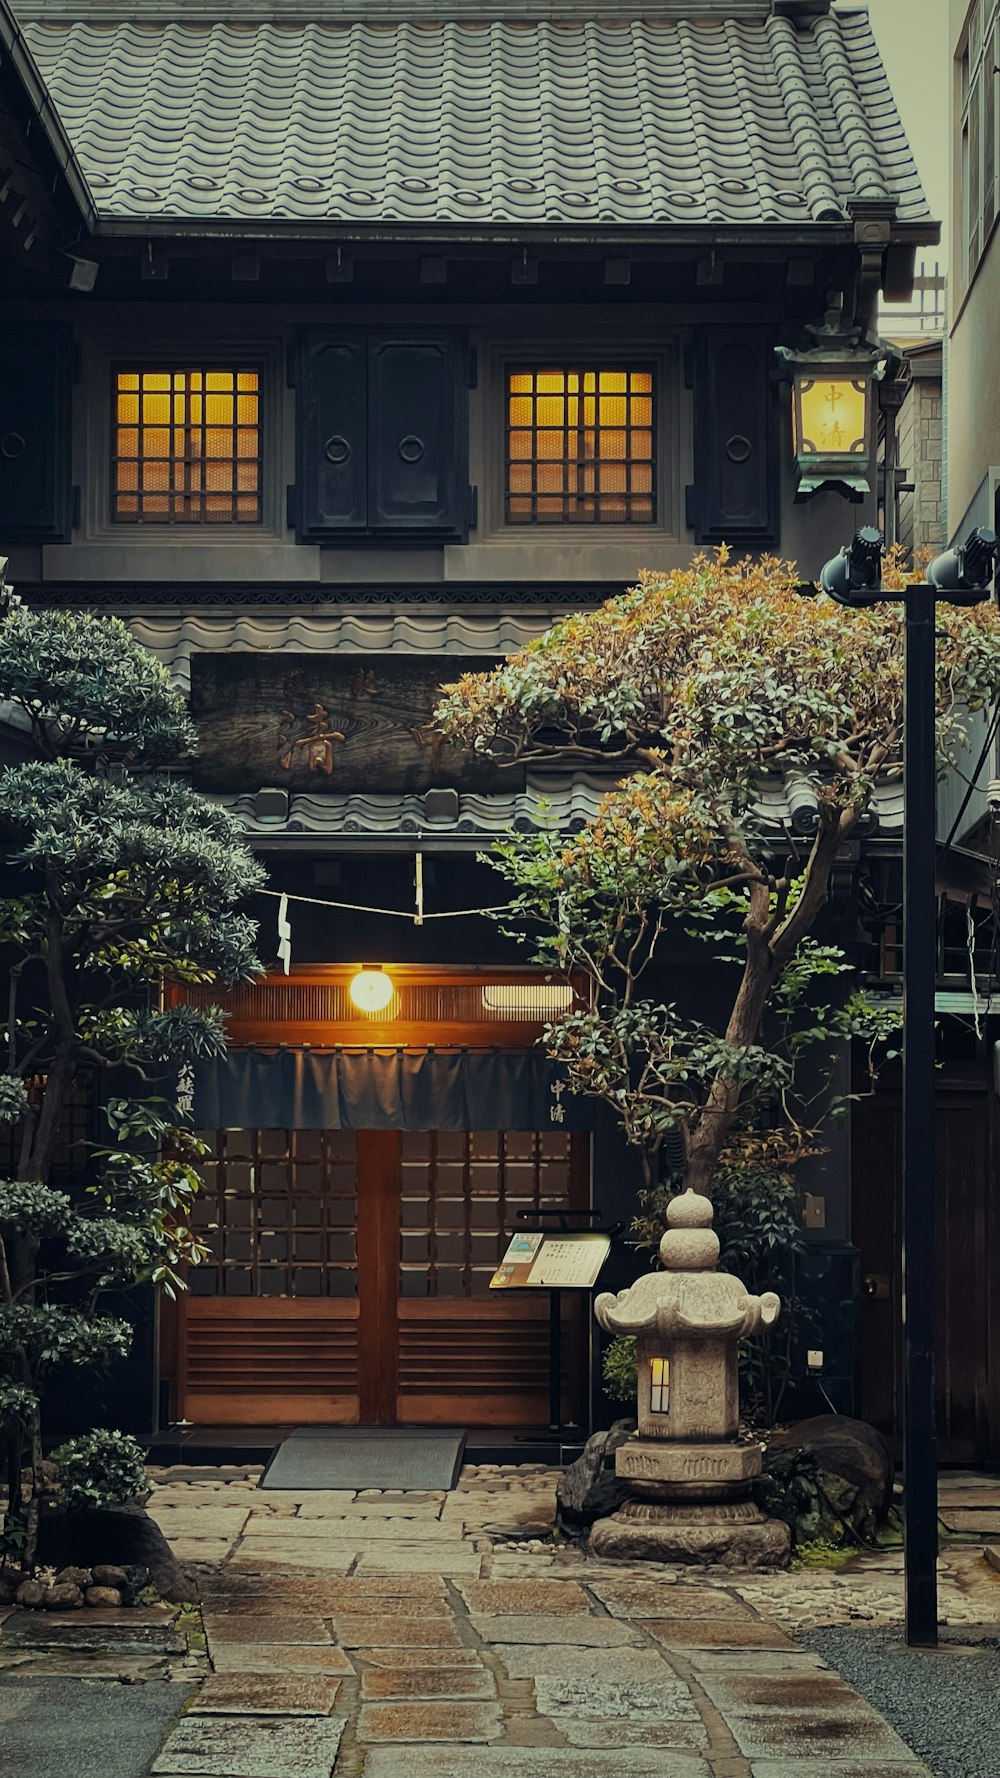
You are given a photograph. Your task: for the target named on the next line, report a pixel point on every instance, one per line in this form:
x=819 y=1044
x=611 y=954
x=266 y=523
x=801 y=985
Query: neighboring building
x=390 y=338
x=974 y=342
x=917 y=332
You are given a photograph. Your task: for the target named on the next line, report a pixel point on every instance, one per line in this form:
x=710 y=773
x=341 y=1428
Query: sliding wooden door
x=348 y=1279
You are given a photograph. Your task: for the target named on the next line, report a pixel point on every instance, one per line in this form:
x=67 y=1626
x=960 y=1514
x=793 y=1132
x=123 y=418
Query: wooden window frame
x=653 y=349
x=195 y=364
x=568 y=367
x=978 y=126
x=179 y=346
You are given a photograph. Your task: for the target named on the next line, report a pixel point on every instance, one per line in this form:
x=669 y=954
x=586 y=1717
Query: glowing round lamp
x=371 y=989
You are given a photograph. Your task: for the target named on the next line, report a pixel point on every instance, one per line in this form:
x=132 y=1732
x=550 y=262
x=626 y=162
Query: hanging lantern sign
x=833 y=407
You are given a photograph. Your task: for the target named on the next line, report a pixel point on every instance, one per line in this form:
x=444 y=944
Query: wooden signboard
x=552 y=1260
x=332 y=723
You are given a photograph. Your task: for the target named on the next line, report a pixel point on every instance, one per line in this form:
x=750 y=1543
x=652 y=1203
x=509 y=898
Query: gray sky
x=913 y=38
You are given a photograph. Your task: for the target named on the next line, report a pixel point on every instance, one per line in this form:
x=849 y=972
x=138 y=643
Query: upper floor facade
x=328 y=305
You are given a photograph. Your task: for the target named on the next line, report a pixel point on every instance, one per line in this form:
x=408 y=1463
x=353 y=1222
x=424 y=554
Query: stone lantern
x=688 y=1472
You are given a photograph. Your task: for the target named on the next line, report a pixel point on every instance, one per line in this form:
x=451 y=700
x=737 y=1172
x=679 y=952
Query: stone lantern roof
x=689 y=1298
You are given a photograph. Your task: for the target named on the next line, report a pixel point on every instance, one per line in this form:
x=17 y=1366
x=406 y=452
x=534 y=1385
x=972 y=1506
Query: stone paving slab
x=278 y=1657
x=983 y=1520
x=265 y=1629
x=716 y=1633
x=327 y=1592
x=401 y=1506
x=418 y=1657
x=621 y=1665
x=749 y=1660
x=199 y=1521
x=533 y=1762
x=343 y=1529
x=741 y=1692
x=228 y=1694
x=208 y=1551
x=546 y=1630
x=665 y=1699
x=251 y=1747
x=856 y=1733
x=421 y=1559
x=279 y=1557
x=520 y=1597
x=130 y=1632
x=828 y=1768
x=423 y=1723
x=387 y=1631
x=379 y=1683
x=619 y=1732
x=636 y=1599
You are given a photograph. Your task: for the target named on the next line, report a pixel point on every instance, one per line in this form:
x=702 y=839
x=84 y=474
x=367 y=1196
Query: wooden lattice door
x=348 y=1279
x=269 y=1332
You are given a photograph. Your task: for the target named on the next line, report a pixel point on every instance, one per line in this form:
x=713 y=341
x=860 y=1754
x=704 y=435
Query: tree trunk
x=718 y=1115
x=770 y=944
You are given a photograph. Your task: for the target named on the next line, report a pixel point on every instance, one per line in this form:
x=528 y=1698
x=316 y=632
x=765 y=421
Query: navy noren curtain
x=296 y=1089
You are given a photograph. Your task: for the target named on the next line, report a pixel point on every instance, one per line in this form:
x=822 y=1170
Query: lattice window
x=74 y=1149
x=187 y=446
x=580 y=446
x=460 y=1197
x=278 y=1214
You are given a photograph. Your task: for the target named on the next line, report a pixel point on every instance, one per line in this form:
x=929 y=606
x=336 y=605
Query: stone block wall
x=922 y=517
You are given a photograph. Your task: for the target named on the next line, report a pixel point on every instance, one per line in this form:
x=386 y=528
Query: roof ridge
x=401 y=11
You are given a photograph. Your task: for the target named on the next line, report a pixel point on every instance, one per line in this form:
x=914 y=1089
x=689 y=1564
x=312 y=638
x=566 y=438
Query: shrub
x=100 y=1468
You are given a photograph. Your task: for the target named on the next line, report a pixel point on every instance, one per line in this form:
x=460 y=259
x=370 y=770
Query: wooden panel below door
x=258 y=1361
x=484 y=1363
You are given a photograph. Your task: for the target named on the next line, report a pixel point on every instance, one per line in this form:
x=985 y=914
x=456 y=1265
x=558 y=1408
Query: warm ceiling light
x=371 y=989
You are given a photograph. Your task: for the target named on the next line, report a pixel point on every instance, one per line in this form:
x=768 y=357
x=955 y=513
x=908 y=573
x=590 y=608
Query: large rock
x=854 y=1469
x=589 y=1489
x=126 y=1537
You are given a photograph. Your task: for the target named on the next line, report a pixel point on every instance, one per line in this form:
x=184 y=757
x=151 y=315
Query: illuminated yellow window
x=659 y=1385
x=580 y=446
x=186 y=447
x=831 y=418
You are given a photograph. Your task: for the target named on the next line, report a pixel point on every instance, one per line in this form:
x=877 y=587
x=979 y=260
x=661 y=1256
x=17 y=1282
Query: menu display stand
x=555 y=1259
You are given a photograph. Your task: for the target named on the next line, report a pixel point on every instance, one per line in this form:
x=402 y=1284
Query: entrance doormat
x=367 y=1457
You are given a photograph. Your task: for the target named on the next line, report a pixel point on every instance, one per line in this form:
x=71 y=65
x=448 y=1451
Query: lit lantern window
x=833 y=408
x=659 y=1385
x=831 y=415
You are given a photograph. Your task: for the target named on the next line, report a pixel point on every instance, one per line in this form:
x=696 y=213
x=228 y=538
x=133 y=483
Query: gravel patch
x=942 y=1702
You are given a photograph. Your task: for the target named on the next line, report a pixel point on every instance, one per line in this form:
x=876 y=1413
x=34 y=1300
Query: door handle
x=877 y=1286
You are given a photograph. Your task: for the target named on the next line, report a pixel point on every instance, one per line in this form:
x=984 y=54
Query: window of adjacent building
x=581 y=445
x=980 y=131
x=186 y=446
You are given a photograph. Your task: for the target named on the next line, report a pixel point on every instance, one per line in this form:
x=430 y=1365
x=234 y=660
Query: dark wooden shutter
x=331 y=468
x=735 y=493
x=35 y=472
x=418 y=457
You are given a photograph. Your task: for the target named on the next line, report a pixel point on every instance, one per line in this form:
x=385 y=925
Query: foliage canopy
x=119 y=877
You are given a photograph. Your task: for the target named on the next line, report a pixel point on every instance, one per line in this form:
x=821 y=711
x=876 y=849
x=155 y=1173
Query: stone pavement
x=380 y=1635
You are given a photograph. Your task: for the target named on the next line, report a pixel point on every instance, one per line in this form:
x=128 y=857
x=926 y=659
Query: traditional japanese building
x=344 y=347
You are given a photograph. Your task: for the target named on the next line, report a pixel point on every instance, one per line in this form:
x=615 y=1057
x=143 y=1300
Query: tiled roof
x=173 y=639
x=569 y=802
x=628 y=122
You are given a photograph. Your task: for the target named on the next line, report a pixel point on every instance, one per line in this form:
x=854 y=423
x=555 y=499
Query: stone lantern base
x=691 y=1505
x=734 y=1536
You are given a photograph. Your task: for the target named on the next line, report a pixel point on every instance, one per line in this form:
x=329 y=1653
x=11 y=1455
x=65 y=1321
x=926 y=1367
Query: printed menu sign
x=562 y=1260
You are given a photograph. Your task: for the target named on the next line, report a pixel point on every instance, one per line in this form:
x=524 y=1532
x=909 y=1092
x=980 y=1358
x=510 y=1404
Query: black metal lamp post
x=960 y=577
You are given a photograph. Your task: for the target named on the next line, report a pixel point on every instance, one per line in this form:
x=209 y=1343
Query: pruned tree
x=699 y=689
x=119 y=877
